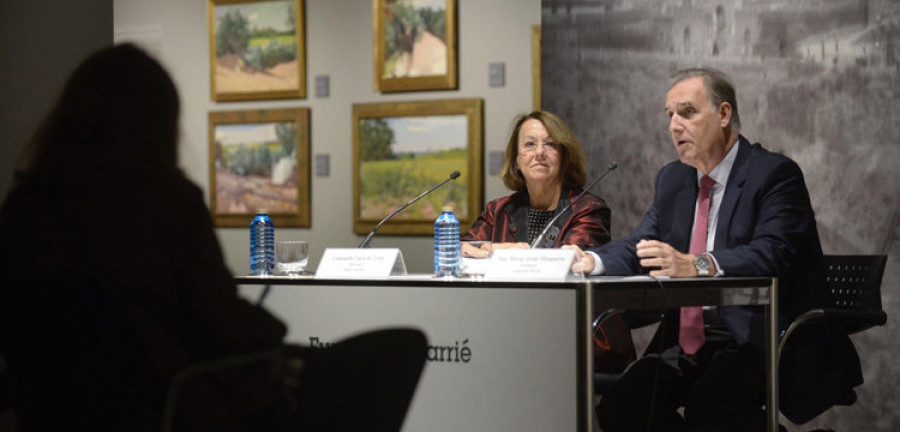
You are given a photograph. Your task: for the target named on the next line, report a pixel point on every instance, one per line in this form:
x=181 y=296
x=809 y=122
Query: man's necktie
x=690 y=335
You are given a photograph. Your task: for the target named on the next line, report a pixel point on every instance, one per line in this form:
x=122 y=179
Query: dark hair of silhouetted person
x=117 y=116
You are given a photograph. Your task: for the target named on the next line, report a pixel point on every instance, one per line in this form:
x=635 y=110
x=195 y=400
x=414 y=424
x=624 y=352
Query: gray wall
x=817 y=80
x=40 y=45
x=339 y=44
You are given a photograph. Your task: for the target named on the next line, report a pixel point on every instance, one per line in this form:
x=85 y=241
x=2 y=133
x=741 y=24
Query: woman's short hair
x=571 y=156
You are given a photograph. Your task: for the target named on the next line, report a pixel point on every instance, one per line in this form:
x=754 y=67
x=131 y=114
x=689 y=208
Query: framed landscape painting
x=402 y=149
x=415 y=45
x=259 y=160
x=257 y=49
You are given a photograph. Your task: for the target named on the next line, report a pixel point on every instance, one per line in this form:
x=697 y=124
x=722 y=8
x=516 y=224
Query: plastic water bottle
x=262 y=244
x=446 y=244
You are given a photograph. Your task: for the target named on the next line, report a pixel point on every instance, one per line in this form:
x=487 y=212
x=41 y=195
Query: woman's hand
x=474 y=249
x=519 y=245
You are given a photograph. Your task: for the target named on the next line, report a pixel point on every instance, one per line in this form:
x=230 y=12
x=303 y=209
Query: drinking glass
x=291 y=257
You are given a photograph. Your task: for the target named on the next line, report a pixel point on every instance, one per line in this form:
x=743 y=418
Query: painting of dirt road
x=233 y=78
x=414 y=40
x=415 y=44
x=256 y=49
x=260 y=160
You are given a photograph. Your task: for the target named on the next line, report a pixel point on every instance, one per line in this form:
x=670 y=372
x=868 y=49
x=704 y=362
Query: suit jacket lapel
x=736 y=318
x=685 y=201
x=732 y=192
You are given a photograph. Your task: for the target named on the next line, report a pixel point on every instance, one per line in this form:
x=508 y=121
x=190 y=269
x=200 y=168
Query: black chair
x=208 y=367
x=5 y=391
x=602 y=380
x=854 y=282
x=633 y=319
x=7 y=418
x=363 y=382
x=855 y=285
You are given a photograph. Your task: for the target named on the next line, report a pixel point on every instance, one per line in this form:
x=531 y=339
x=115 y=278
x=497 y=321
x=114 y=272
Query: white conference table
x=503 y=354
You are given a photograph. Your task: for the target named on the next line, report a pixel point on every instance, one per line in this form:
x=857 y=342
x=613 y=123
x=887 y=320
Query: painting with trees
x=259 y=160
x=257 y=49
x=415 y=44
x=402 y=149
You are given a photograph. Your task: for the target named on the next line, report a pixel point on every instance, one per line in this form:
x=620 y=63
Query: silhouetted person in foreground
x=113 y=280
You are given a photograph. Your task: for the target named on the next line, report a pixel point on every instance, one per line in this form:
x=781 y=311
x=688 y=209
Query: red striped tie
x=690 y=335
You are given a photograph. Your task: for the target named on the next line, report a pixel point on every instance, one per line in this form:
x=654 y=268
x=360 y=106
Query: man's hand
x=583 y=263
x=666 y=260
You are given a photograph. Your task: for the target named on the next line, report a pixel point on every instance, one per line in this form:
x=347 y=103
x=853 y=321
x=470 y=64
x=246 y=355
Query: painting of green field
x=400 y=157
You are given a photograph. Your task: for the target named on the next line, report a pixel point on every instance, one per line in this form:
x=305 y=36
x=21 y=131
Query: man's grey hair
x=718 y=86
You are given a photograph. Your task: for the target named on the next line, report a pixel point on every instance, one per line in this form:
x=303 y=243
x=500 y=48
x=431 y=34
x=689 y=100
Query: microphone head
x=612 y=165
x=454 y=175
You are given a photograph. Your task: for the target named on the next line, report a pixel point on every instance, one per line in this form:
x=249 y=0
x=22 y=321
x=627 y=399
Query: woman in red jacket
x=545 y=167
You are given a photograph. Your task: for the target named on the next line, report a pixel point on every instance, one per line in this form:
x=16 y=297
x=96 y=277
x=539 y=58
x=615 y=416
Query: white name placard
x=531 y=264
x=361 y=263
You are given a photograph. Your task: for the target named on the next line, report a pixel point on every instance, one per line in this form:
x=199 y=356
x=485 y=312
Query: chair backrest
x=855 y=280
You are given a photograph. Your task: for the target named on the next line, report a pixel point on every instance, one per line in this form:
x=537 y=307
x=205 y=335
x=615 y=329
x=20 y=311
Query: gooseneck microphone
x=365 y=243
x=539 y=240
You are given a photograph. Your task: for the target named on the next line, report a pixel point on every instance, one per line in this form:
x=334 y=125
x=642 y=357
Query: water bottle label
x=447 y=254
x=262 y=246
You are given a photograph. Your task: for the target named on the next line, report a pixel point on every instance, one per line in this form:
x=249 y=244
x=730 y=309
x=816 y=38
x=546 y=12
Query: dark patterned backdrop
x=818 y=80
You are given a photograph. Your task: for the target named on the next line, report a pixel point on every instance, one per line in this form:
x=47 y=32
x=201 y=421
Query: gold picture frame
x=414 y=45
x=259 y=159
x=257 y=49
x=401 y=149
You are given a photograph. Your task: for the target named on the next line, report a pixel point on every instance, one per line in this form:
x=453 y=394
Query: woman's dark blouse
x=506 y=220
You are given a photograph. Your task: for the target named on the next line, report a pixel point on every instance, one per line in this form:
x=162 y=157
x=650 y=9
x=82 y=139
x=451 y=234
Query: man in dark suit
x=726 y=208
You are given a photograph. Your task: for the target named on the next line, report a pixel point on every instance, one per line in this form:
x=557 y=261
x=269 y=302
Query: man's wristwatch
x=701 y=263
